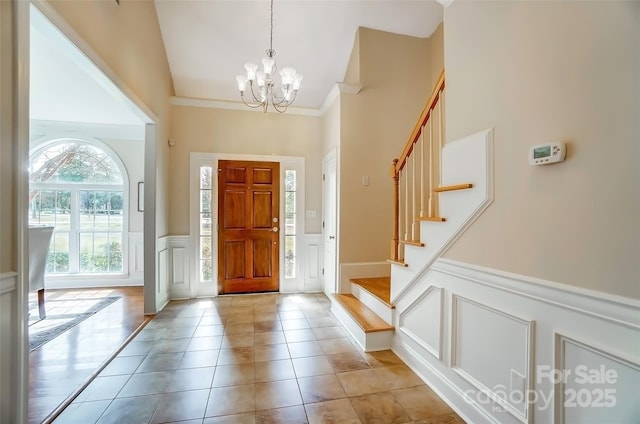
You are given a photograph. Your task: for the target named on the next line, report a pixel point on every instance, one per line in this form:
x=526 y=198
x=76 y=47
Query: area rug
x=72 y=312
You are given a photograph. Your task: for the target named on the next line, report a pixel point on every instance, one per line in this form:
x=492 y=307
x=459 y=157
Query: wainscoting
x=177 y=268
x=8 y=341
x=493 y=344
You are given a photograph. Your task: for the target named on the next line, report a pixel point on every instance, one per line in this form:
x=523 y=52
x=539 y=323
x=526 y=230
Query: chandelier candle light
x=266 y=91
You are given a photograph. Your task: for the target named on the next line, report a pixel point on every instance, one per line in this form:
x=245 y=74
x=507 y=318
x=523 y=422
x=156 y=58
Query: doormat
x=75 y=310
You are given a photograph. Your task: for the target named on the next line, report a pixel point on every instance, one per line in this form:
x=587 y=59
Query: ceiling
x=208 y=41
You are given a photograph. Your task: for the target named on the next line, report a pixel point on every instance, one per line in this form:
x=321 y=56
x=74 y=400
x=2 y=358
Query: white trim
x=447 y=391
x=220 y=104
x=198 y=159
x=480 y=201
x=560 y=343
x=619 y=310
x=436 y=351
x=525 y=417
x=334 y=93
x=8 y=282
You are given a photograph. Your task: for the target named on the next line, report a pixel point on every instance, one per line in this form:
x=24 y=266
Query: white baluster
x=430 y=203
x=422 y=172
x=406 y=199
x=413 y=195
x=440 y=134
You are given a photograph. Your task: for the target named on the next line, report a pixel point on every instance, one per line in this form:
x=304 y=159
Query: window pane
x=290 y=256
x=101 y=210
x=206 y=260
x=100 y=252
x=205 y=177
x=58 y=258
x=206 y=265
x=74 y=162
x=290 y=180
x=50 y=207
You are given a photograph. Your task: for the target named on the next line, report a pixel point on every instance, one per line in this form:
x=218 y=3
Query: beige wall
x=197 y=129
x=331 y=129
x=127 y=37
x=549 y=71
x=7 y=218
x=397 y=78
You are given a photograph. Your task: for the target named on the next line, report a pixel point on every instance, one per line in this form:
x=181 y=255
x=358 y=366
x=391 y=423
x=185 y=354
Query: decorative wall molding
x=600 y=382
x=313 y=260
x=429 y=314
x=8 y=282
x=469 y=159
x=162 y=274
x=616 y=309
x=179 y=274
x=494 y=321
x=500 y=331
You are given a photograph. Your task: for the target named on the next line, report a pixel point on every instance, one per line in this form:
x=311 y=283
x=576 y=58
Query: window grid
x=290 y=224
x=205 y=235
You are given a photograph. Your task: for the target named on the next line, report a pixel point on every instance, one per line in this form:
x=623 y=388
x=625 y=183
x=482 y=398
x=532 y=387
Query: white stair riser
x=368 y=342
x=372 y=302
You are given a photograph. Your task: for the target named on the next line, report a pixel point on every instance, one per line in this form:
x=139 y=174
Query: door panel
x=248 y=239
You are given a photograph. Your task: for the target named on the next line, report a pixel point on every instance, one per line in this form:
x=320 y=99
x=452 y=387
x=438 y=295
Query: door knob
x=332 y=237
x=274 y=229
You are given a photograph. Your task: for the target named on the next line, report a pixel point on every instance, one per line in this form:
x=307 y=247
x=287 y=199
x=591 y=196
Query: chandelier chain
x=270 y=52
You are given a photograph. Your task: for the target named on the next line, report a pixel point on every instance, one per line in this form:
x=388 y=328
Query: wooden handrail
x=424 y=117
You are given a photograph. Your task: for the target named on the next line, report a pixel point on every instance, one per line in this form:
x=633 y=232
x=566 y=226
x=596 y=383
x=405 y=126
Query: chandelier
x=262 y=86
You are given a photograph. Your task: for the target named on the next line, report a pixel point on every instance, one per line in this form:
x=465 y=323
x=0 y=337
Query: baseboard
x=8 y=282
x=503 y=333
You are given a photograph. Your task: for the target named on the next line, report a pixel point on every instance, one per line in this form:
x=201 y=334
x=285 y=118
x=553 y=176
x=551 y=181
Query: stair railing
x=414 y=176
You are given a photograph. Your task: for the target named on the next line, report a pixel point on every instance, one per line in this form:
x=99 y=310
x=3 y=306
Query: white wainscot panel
x=422 y=321
x=492 y=350
x=162 y=276
x=136 y=255
x=179 y=285
x=596 y=386
x=313 y=250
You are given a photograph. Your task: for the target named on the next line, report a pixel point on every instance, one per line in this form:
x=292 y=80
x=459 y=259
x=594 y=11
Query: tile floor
x=61 y=366
x=267 y=358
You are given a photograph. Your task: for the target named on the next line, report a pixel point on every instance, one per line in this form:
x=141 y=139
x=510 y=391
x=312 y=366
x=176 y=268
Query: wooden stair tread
x=412 y=242
x=380 y=287
x=453 y=187
x=431 y=218
x=365 y=317
x=401 y=263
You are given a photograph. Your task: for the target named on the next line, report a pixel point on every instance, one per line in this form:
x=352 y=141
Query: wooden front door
x=249 y=223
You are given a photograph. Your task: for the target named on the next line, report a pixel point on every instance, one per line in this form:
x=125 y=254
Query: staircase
x=439 y=191
x=366 y=312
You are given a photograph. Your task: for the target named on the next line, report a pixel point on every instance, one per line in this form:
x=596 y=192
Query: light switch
x=311 y=213
x=365 y=180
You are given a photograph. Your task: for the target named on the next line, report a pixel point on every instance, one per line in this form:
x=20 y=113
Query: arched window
x=79 y=188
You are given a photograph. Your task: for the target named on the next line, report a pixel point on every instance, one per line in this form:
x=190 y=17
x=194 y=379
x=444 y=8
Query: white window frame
x=75 y=188
x=197 y=160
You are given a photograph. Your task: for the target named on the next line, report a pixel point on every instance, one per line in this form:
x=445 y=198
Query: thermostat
x=545 y=154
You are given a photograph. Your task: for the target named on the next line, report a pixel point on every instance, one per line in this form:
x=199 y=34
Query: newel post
x=396 y=210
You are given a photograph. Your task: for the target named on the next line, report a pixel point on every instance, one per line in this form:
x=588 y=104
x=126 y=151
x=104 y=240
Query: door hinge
x=323 y=177
x=322 y=224
x=322 y=271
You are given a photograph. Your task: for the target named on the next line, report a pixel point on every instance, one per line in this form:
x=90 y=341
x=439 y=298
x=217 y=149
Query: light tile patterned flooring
x=269 y=358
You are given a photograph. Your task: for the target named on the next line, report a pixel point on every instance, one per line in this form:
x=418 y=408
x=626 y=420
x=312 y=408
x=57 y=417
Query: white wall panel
x=313 y=250
x=422 y=321
x=490 y=351
x=595 y=386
